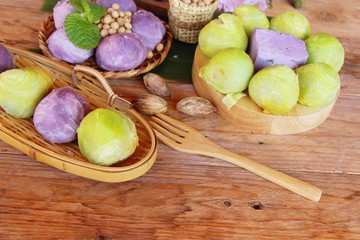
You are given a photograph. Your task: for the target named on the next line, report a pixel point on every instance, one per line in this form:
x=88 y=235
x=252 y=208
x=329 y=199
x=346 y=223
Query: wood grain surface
x=186 y=196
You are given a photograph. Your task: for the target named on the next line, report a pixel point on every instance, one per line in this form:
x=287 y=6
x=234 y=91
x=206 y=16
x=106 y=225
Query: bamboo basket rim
x=113 y=101
x=48 y=27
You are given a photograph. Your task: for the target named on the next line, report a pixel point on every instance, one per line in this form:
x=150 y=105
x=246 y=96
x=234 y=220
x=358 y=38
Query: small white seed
x=115 y=14
x=128 y=13
x=115 y=6
x=121 y=30
x=104 y=33
x=112 y=31
x=106 y=26
x=128 y=25
x=115 y=25
x=107 y=18
x=149 y=54
x=127 y=19
x=160 y=47
x=121 y=21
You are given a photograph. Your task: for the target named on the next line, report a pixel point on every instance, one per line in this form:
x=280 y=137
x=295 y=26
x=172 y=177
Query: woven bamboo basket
x=186 y=21
x=48 y=27
x=21 y=133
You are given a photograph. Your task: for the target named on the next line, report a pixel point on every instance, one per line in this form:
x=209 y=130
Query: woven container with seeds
x=115 y=21
x=188 y=17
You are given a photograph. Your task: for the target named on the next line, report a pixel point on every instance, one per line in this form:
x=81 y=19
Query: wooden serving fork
x=184 y=138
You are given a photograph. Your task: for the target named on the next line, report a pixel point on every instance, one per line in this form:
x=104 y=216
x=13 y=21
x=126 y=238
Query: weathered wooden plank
x=194 y=197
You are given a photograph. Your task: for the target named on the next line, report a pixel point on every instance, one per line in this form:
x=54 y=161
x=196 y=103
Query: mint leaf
x=85 y=6
x=92 y=11
x=77 y=5
x=97 y=11
x=80 y=32
x=88 y=16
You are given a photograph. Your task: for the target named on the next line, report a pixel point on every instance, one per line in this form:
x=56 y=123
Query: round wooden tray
x=21 y=133
x=48 y=27
x=247 y=114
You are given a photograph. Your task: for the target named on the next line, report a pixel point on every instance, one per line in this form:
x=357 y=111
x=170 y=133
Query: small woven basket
x=186 y=21
x=21 y=133
x=48 y=27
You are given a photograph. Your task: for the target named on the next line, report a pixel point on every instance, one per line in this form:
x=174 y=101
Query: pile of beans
x=115 y=21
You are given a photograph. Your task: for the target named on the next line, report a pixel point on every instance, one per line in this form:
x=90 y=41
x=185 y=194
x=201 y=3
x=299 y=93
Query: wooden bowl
x=48 y=27
x=248 y=114
x=21 y=133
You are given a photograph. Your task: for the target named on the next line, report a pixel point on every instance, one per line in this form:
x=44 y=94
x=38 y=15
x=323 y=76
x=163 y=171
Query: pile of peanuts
x=198 y=3
x=115 y=21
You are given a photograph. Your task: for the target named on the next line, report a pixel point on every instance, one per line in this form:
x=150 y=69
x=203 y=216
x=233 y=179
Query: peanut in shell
x=195 y=106
x=157 y=85
x=149 y=104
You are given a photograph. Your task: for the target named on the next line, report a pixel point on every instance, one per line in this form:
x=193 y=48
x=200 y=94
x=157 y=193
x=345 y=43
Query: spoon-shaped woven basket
x=21 y=133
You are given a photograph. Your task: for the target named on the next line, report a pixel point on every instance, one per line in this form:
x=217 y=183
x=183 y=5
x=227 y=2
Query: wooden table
x=186 y=196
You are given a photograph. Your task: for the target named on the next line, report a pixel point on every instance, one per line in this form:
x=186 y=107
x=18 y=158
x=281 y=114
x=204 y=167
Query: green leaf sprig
x=80 y=26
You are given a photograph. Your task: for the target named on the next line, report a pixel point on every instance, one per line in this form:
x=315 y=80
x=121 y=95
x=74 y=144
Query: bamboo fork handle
x=297 y=186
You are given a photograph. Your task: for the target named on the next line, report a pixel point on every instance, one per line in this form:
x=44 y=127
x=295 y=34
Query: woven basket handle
x=103 y=81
